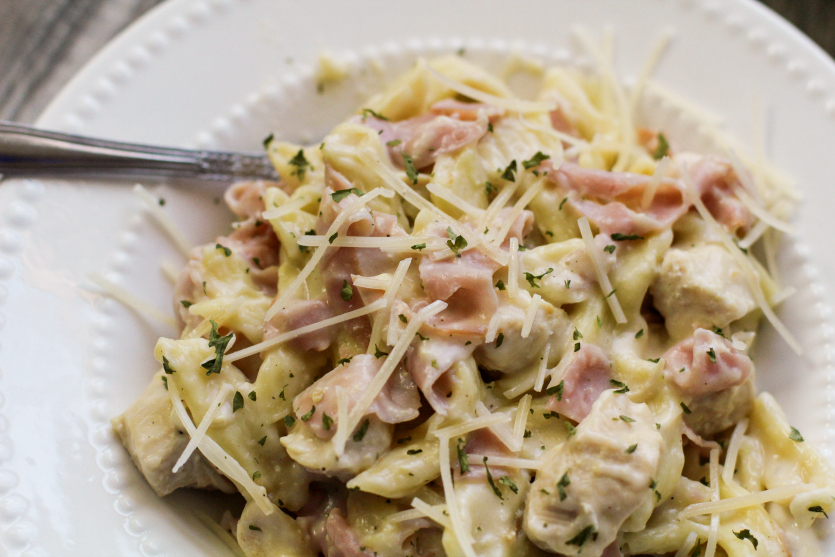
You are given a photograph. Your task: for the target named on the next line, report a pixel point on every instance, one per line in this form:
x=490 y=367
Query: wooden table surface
x=44 y=42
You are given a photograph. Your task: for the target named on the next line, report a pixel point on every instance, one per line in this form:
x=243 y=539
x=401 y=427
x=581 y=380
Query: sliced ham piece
x=622 y=194
x=339 y=264
x=428 y=362
x=706 y=363
x=246 y=199
x=714 y=178
x=613 y=200
x=450 y=126
x=397 y=402
x=586 y=377
x=256 y=242
x=301 y=313
x=466 y=284
x=484 y=442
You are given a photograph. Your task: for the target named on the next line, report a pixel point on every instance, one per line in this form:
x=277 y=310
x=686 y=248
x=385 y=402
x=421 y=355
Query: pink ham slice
x=246 y=199
x=256 y=242
x=715 y=179
x=612 y=200
x=706 y=363
x=299 y=314
x=449 y=126
x=484 y=442
x=622 y=193
x=428 y=362
x=586 y=377
x=339 y=264
x=397 y=402
x=466 y=284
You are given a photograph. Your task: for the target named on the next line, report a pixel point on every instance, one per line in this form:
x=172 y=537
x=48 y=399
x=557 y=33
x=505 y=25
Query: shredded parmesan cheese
x=543 y=368
x=688 y=544
x=453 y=431
x=713 y=533
x=753 y=235
x=220 y=532
x=340 y=219
x=518 y=207
x=391 y=292
x=215 y=454
x=513 y=105
x=602 y=278
x=385 y=243
x=733 y=451
x=743 y=501
x=464 y=539
x=649 y=66
x=390 y=295
x=513 y=270
x=521 y=421
x=497 y=204
x=171 y=271
x=285 y=209
x=377 y=282
x=524 y=385
x=501 y=431
x=379 y=381
x=435 y=512
x=530 y=315
x=744 y=264
x=133 y=302
x=492 y=328
x=453 y=199
x=163 y=220
x=762 y=213
x=524 y=463
x=284 y=337
x=208 y=418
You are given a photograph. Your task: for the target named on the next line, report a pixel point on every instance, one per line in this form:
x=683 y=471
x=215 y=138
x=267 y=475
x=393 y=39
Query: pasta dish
x=469 y=324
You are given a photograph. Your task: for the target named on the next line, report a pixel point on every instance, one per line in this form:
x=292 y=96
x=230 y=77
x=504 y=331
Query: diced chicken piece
x=397 y=402
x=299 y=314
x=706 y=363
x=590 y=485
x=274 y=535
x=428 y=362
x=585 y=378
x=715 y=412
x=246 y=199
x=515 y=354
x=700 y=287
x=155 y=439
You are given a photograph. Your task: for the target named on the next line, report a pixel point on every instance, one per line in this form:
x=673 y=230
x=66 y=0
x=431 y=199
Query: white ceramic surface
x=225 y=73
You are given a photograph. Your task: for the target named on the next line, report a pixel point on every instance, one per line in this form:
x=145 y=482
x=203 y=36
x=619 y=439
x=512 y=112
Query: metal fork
x=28 y=151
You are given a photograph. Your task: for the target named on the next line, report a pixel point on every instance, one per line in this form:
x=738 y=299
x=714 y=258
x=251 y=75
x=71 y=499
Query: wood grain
x=43 y=43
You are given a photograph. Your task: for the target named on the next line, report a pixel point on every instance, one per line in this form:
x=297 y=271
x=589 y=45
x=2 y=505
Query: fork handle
x=28 y=151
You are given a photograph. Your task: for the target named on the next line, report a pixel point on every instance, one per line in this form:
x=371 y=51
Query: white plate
x=225 y=73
